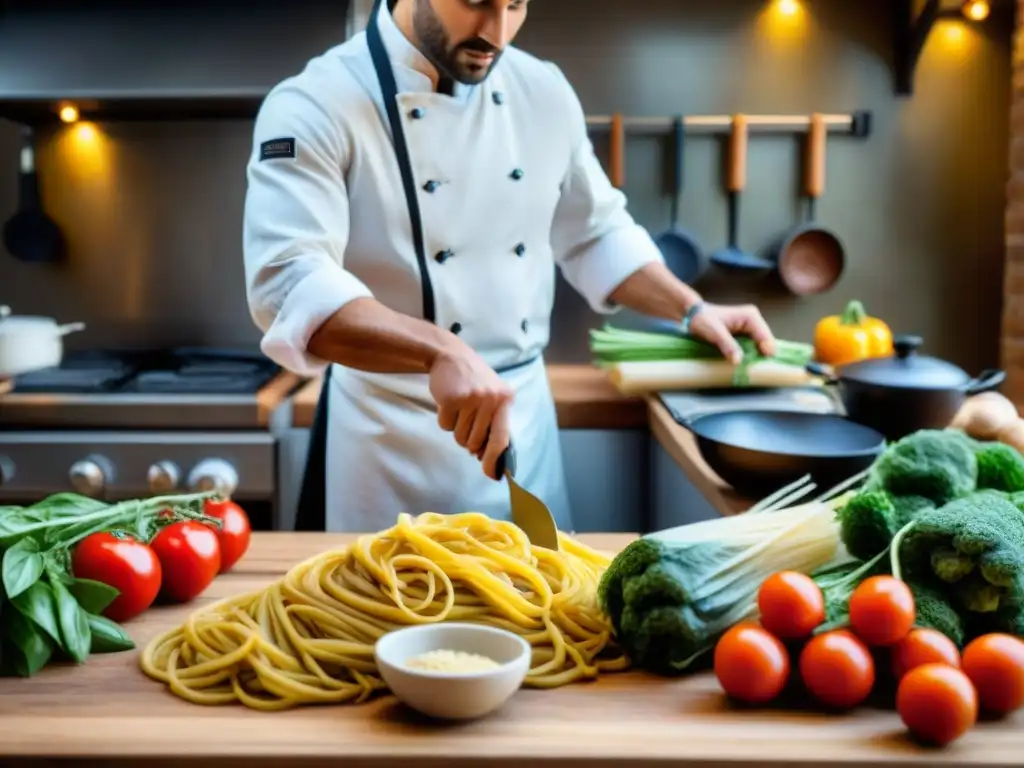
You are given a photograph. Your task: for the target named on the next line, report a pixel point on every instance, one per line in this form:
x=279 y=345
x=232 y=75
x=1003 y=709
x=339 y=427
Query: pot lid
x=20 y=323
x=906 y=368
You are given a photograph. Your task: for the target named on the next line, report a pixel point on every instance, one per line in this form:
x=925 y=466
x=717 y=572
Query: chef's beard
x=437 y=47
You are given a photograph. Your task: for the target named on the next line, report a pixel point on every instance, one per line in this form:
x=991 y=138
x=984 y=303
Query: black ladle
x=682 y=253
x=31 y=235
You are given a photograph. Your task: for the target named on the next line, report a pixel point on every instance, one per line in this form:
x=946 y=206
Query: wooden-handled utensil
x=811 y=258
x=736 y=181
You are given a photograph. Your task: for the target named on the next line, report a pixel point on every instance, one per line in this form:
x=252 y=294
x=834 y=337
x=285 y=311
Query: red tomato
x=923 y=646
x=791 y=605
x=751 y=664
x=937 y=703
x=123 y=562
x=882 y=610
x=837 y=669
x=190 y=557
x=995 y=664
x=234 y=533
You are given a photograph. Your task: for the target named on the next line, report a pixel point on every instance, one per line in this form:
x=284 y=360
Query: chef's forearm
x=366 y=335
x=653 y=290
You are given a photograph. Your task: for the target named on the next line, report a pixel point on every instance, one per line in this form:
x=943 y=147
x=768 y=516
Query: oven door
x=118 y=465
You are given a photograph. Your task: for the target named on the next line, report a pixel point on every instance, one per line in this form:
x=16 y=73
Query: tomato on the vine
x=189 y=554
x=751 y=664
x=121 y=561
x=234 y=533
x=791 y=605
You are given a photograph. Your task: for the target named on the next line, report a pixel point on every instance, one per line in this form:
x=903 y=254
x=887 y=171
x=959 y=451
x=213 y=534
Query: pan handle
x=617 y=151
x=736 y=170
x=28 y=180
x=817 y=369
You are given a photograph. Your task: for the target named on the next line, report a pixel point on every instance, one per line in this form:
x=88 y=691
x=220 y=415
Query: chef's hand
x=719 y=323
x=473 y=402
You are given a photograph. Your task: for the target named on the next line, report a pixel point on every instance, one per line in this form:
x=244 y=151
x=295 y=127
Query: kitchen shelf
x=37 y=109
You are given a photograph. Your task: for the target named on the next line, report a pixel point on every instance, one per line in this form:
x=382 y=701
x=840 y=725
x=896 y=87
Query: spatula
x=528 y=512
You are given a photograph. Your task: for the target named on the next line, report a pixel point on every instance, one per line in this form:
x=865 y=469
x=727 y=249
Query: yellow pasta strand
x=308 y=638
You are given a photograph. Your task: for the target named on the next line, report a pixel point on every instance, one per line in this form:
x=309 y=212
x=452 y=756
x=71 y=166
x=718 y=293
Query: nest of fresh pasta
x=309 y=638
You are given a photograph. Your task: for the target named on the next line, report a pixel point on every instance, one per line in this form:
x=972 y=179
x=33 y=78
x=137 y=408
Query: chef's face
x=465 y=38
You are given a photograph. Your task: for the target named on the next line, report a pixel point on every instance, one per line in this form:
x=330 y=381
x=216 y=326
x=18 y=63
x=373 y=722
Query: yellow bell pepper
x=850 y=337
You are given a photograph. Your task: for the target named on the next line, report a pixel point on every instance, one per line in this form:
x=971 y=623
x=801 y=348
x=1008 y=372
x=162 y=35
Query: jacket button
x=520 y=249
x=417 y=113
x=498 y=97
x=442 y=256
x=524 y=325
x=431 y=185
x=517 y=174
x=455 y=328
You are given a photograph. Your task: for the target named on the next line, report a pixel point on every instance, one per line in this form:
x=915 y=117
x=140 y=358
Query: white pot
x=29 y=342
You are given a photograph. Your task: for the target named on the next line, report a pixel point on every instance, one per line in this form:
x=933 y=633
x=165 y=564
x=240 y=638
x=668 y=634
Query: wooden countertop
x=107 y=710
x=584 y=399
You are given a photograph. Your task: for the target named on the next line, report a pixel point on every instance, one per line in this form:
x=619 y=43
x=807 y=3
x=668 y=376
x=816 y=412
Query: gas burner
x=183 y=371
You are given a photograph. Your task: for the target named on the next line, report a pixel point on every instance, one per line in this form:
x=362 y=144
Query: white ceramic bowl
x=453 y=695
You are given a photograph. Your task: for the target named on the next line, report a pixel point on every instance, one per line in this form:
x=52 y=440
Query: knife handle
x=507 y=461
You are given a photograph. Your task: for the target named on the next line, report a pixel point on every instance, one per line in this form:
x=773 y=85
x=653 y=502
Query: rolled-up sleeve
x=596 y=242
x=296 y=227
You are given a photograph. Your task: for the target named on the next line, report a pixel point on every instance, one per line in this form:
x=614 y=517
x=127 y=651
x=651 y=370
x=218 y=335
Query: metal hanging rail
x=856 y=124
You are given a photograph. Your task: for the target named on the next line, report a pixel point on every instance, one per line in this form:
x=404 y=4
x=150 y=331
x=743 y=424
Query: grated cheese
x=443 y=660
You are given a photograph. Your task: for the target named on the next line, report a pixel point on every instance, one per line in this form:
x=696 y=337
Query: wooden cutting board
x=107 y=711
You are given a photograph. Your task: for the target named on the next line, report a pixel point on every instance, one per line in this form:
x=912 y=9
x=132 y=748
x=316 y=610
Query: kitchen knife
x=528 y=512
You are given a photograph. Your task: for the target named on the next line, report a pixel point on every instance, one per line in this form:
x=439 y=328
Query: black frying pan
x=759 y=452
x=31 y=235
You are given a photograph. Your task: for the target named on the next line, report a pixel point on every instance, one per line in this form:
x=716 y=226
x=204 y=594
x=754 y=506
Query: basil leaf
x=74 y=625
x=93 y=596
x=107 y=636
x=37 y=603
x=66 y=505
x=29 y=649
x=22 y=567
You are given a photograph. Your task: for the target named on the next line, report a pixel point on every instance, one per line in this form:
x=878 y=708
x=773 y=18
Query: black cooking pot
x=906 y=392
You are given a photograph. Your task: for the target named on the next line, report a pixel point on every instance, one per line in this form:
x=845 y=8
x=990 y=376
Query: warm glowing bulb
x=788 y=7
x=976 y=10
x=69 y=113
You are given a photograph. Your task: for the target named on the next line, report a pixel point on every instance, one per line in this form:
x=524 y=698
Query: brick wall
x=1013 y=281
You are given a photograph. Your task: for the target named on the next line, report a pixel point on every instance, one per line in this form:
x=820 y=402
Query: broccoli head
x=909 y=507
x=1000 y=467
x=869 y=520
x=938 y=464
x=867 y=523
x=976 y=543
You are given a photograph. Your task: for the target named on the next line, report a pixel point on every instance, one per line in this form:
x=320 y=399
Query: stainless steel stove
x=128 y=424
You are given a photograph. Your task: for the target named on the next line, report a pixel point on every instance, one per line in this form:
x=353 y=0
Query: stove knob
x=88 y=476
x=163 y=477
x=6 y=470
x=213 y=475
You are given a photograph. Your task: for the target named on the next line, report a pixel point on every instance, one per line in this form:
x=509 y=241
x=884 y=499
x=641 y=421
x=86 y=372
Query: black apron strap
x=311 y=514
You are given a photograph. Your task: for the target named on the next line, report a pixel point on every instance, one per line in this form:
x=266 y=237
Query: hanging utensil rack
x=856 y=124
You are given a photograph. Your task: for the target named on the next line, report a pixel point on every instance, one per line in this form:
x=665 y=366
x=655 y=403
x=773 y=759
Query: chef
x=410 y=194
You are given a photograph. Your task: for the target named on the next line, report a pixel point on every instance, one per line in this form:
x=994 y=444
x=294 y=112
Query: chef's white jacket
x=508 y=187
